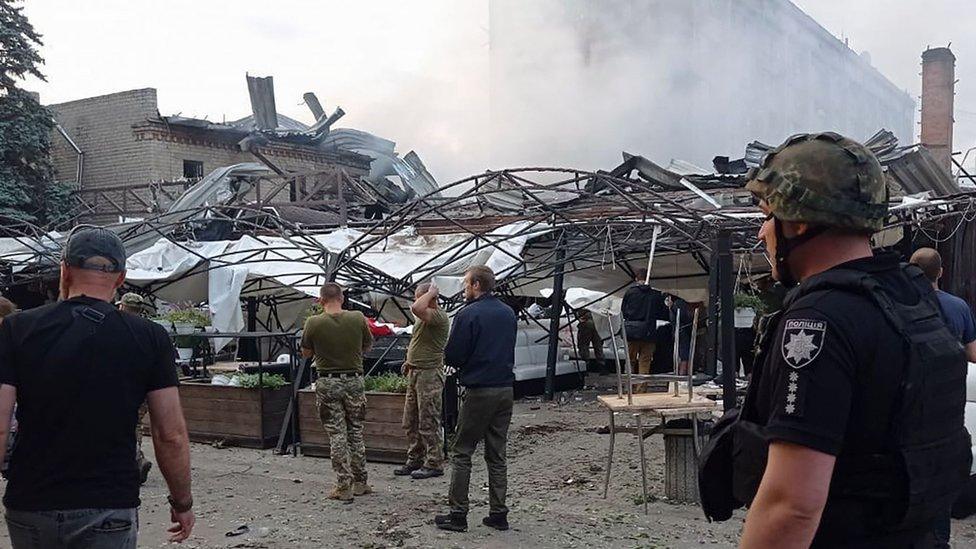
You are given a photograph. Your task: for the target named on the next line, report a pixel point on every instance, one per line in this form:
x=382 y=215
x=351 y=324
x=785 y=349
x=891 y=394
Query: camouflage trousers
x=422 y=418
x=140 y=457
x=342 y=409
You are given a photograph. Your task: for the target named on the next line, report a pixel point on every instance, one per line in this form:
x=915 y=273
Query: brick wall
x=938 y=90
x=125 y=143
x=102 y=127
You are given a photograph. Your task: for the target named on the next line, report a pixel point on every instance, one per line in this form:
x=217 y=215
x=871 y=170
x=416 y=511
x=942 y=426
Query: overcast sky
x=415 y=72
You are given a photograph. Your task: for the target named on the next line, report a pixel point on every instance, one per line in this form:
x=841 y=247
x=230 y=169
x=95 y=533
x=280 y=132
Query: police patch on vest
x=802 y=341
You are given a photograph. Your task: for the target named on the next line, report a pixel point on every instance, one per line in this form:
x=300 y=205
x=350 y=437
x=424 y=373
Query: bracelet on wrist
x=180 y=507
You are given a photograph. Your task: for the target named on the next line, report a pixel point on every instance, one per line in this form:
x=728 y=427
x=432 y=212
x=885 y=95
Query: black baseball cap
x=87 y=242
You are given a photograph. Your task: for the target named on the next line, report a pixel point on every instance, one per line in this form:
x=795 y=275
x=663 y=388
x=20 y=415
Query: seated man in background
x=587 y=336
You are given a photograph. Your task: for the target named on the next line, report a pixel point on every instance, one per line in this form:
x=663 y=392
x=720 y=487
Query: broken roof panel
x=917 y=171
x=261 y=91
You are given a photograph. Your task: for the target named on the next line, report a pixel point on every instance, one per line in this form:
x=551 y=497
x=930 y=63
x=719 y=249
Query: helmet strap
x=786 y=245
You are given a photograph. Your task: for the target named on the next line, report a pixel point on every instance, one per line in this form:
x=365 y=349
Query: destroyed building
x=127 y=160
x=120 y=140
x=575 y=82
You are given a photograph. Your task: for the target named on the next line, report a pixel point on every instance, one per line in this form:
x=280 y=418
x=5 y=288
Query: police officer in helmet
x=852 y=431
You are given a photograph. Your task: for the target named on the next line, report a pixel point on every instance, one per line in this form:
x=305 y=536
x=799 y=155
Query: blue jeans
x=75 y=529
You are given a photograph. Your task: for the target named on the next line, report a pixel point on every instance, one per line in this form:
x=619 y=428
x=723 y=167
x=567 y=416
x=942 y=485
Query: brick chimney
x=938 y=90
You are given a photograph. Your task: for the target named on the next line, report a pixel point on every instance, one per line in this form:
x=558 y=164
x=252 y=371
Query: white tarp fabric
x=22 y=250
x=221 y=272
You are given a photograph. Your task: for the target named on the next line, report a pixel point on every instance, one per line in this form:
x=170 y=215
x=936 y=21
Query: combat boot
x=361 y=488
x=453 y=522
x=498 y=521
x=341 y=493
x=426 y=472
x=405 y=470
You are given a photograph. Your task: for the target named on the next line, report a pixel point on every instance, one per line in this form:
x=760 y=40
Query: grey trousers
x=485 y=415
x=74 y=529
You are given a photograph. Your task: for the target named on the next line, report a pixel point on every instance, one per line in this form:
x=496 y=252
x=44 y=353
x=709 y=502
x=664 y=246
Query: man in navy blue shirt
x=956 y=312
x=482 y=348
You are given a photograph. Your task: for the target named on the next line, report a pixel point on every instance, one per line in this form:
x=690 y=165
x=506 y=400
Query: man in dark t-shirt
x=79 y=369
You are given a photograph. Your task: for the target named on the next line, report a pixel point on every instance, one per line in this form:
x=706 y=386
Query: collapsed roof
x=266 y=125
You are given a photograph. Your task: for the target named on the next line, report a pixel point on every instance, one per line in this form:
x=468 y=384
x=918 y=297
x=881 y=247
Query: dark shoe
x=453 y=522
x=405 y=470
x=425 y=472
x=144 y=468
x=342 y=493
x=498 y=521
x=361 y=489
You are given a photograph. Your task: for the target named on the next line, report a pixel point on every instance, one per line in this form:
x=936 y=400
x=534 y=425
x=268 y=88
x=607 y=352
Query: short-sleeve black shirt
x=78 y=396
x=831 y=378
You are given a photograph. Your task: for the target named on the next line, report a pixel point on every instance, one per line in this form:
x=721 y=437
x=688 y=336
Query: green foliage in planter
x=389 y=382
x=268 y=381
x=749 y=301
x=188 y=315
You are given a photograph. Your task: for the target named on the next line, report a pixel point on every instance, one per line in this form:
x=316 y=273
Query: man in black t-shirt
x=79 y=370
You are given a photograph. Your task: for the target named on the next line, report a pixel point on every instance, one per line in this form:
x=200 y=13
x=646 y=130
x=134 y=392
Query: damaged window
x=192 y=169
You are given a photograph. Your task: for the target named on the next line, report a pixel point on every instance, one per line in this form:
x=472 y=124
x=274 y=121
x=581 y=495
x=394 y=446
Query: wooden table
x=664 y=405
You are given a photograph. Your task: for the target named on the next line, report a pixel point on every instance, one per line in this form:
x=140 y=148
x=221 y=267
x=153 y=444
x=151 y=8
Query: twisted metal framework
x=574 y=219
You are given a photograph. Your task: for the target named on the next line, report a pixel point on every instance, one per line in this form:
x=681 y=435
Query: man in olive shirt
x=337 y=339
x=425 y=371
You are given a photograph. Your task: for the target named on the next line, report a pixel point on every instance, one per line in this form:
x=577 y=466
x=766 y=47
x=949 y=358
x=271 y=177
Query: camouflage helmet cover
x=823 y=179
x=132 y=299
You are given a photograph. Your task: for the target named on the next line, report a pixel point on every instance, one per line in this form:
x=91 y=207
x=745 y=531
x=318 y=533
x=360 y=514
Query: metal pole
x=555 y=313
x=640 y=445
x=711 y=336
x=606 y=479
x=691 y=353
x=726 y=326
x=676 y=358
x=616 y=356
x=629 y=367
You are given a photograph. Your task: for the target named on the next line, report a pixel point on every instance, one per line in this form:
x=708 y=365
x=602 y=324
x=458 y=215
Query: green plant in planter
x=268 y=381
x=187 y=315
x=193 y=316
x=389 y=382
x=744 y=300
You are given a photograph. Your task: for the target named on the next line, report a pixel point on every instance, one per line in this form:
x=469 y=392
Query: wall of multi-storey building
x=575 y=82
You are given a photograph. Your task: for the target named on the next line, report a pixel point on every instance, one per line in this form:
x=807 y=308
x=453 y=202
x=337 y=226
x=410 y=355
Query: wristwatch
x=178 y=507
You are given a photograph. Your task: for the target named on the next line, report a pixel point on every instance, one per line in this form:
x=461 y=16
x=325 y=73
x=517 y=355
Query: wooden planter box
x=234 y=415
x=386 y=441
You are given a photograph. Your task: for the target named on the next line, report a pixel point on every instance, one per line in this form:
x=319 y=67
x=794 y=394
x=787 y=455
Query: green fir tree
x=28 y=188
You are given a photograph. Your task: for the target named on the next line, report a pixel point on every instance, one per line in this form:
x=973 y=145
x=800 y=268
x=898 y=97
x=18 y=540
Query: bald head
x=77 y=281
x=929 y=260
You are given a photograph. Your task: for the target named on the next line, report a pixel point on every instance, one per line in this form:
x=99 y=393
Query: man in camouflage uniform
x=337 y=339
x=587 y=337
x=425 y=371
x=133 y=303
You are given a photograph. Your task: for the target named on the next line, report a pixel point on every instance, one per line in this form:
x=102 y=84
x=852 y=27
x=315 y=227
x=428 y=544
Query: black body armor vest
x=928 y=451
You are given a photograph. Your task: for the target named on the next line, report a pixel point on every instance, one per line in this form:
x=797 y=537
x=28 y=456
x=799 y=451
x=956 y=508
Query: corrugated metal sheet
x=912 y=168
x=917 y=171
x=261 y=91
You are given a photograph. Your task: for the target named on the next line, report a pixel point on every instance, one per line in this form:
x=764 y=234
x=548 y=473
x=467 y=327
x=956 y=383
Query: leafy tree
x=28 y=189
